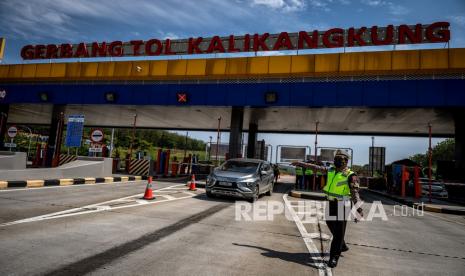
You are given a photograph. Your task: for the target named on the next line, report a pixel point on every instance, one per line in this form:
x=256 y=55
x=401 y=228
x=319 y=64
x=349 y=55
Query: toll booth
x=403 y=178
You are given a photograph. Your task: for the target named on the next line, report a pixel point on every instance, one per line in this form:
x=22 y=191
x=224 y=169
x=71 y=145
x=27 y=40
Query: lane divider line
x=99 y=207
x=311 y=247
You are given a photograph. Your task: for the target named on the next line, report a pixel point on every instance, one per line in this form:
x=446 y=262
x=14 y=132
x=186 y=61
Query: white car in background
x=438 y=189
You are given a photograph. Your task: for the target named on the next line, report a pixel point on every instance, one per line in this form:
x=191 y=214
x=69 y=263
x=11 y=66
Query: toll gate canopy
x=381 y=93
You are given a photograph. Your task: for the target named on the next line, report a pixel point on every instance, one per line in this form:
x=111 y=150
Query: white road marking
x=317 y=236
x=100 y=207
x=311 y=247
x=189 y=193
x=168 y=197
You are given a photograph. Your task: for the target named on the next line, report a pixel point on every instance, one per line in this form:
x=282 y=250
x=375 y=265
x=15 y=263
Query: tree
x=420 y=158
x=442 y=151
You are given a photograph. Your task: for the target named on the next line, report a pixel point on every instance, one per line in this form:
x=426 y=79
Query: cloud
x=282 y=5
x=398 y=10
x=298 y=5
x=374 y=3
x=66 y=20
x=168 y=35
x=393 y=9
x=457 y=19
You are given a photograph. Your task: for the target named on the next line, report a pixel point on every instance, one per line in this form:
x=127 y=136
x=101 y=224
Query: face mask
x=339 y=162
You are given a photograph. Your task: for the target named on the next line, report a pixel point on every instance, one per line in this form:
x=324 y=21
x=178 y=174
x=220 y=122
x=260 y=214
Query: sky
x=396 y=147
x=61 y=21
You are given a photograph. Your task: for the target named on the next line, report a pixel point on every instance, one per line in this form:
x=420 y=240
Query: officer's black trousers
x=298 y=182
x=337 y=227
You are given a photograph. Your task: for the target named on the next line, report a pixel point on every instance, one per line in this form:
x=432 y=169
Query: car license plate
x=226 y=184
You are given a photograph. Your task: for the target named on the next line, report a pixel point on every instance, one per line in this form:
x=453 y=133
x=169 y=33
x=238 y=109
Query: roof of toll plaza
x=383 y=93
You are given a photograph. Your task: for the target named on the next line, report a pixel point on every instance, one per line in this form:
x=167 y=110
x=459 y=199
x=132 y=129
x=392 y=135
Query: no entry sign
x=96 y=135
x=12 y=131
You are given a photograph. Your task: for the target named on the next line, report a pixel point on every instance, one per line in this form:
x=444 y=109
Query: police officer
x=299 y=173
x=308 y=178
x=342 y=186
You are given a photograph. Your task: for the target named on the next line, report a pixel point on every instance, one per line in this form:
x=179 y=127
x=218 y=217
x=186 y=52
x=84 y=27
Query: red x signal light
x=182 y=97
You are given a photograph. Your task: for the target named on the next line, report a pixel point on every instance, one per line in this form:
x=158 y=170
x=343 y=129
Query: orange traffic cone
x=148 y=195
x=189 y=183
x=192 y=185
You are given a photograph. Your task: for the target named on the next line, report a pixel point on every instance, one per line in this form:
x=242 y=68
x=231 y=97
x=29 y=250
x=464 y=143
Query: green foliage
x=357 y=169
x=442 y=151
x=145 y=140
x=420 y=158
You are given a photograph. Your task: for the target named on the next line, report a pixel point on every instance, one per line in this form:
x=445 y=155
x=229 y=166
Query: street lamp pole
x=430 y=157
x=316 y=145
x=372 y=155
x=132 y=142
x=218 y=139
x=185 y=144
x=210 y=149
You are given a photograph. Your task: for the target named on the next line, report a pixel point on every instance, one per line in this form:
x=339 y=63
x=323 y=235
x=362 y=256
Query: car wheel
x=255 y=195
x=270 y=191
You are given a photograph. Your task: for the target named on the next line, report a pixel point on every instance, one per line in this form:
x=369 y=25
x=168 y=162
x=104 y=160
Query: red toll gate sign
x=332 y=38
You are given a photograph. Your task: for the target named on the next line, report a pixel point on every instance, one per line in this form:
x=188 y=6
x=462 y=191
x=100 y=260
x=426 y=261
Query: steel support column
x=4 y=108
x=235 y=135
x=57 y=111
x=252 y=139
x=459 y=115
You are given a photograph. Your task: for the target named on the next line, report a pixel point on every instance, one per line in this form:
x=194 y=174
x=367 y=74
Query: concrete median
x=308 y=195
x=67 y=181
x=436 y=208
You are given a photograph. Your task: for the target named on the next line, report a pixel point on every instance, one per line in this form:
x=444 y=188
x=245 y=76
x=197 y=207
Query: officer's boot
x=333 y=261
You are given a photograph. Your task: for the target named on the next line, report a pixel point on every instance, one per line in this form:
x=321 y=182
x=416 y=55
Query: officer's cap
x=342 y=153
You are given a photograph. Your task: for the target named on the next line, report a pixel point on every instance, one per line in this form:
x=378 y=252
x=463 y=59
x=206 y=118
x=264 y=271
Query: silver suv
x=241 y=177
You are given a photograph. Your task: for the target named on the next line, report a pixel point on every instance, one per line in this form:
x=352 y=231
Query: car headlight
x=210 y=181
x=246 y=185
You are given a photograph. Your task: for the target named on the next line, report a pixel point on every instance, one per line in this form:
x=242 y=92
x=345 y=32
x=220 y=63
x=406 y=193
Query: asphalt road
x=106 y=229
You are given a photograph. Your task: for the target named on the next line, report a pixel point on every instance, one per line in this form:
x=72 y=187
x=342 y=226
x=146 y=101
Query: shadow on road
x=298 y=258
x=369 y=197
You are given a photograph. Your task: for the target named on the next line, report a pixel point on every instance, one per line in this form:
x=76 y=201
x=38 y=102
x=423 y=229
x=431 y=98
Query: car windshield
x=240 y=166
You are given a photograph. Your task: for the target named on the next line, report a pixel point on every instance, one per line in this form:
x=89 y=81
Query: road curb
x=424 y=206
x=394 y=198
x=305 y=195
x=34 y=183
x=438 y=209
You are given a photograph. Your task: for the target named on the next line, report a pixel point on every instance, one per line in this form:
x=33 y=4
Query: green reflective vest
x=337 y=184
x=308 y=171
x=299 y=171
